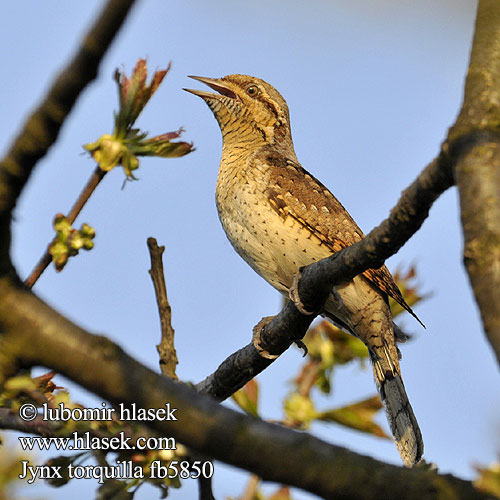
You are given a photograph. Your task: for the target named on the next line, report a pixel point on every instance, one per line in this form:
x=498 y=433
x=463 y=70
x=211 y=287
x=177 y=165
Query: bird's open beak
x=214 y=83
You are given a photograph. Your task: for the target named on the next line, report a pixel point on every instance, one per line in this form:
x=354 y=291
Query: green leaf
x=162 y=145
x=343 y=349
x=300 y=410
x=247 y=398
x=489 y=480
x=168 y=149
x=63 y=462
x=134 y=94
x=357 y=416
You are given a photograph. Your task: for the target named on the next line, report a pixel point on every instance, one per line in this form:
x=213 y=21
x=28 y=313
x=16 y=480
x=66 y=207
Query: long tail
x=400 y=414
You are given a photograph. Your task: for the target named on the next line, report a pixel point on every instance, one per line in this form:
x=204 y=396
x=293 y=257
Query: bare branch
x=166 y=348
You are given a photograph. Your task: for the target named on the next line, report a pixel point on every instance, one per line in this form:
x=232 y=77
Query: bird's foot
x=302 y=346
x=293 y=294
x=256 y=338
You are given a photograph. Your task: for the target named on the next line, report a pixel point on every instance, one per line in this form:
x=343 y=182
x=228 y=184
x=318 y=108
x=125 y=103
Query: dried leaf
x=357 y=416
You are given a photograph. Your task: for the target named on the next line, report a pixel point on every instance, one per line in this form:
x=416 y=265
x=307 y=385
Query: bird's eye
x=253 y=90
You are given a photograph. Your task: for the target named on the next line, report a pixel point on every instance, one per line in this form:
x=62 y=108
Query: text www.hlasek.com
x=85 y=441
x=164 y=467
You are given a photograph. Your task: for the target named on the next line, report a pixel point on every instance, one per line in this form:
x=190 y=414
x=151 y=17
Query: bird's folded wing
x=294 y=192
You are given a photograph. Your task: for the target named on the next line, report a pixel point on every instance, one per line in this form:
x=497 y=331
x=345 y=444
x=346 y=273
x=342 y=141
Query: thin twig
x=42 y=128
x=94 y=180
x=166 y=348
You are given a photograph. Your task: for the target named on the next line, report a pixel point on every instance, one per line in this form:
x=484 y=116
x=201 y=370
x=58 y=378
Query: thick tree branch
x=35 y=334
x=478 y=179
x=478 y=168
x=10 y=420
x=42 y=128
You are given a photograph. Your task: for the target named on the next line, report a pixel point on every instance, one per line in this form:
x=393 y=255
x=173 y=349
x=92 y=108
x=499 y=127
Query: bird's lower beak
x=216 y=84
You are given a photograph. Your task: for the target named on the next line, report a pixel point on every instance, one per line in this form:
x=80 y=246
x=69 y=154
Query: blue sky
x=372 y=90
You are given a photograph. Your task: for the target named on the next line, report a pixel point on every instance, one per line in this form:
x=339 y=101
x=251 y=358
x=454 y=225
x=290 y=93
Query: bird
x=279 y=217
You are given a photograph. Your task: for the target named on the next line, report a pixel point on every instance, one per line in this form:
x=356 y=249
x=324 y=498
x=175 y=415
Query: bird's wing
x=296 y=193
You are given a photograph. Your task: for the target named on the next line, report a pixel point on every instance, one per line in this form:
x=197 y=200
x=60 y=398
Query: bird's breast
x=273 y=245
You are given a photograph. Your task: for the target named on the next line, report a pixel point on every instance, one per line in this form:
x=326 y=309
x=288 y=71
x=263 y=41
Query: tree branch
x=42 y=128
x=316 y=280
x=166 y=348
x=33 y=333
x=29 y=326
x=470 y=154
x=12 y=421
x=478 y=168
x=478 y=179
x=94 y=180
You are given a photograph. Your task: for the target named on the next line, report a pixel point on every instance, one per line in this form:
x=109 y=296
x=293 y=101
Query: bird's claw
x=256 y=338
x=293 y=294
x=302 y=346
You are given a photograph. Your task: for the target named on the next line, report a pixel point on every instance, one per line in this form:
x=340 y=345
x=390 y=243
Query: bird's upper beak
x=216 y=84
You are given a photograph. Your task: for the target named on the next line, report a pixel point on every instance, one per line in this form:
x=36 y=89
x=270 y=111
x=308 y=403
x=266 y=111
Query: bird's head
x=249 y=111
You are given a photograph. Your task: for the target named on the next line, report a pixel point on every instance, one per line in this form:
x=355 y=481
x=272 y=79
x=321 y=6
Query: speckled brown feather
x=278 y=217
x=298 y=194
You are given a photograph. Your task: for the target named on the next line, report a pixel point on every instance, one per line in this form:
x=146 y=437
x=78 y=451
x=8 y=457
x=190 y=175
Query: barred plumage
x=278 y=217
